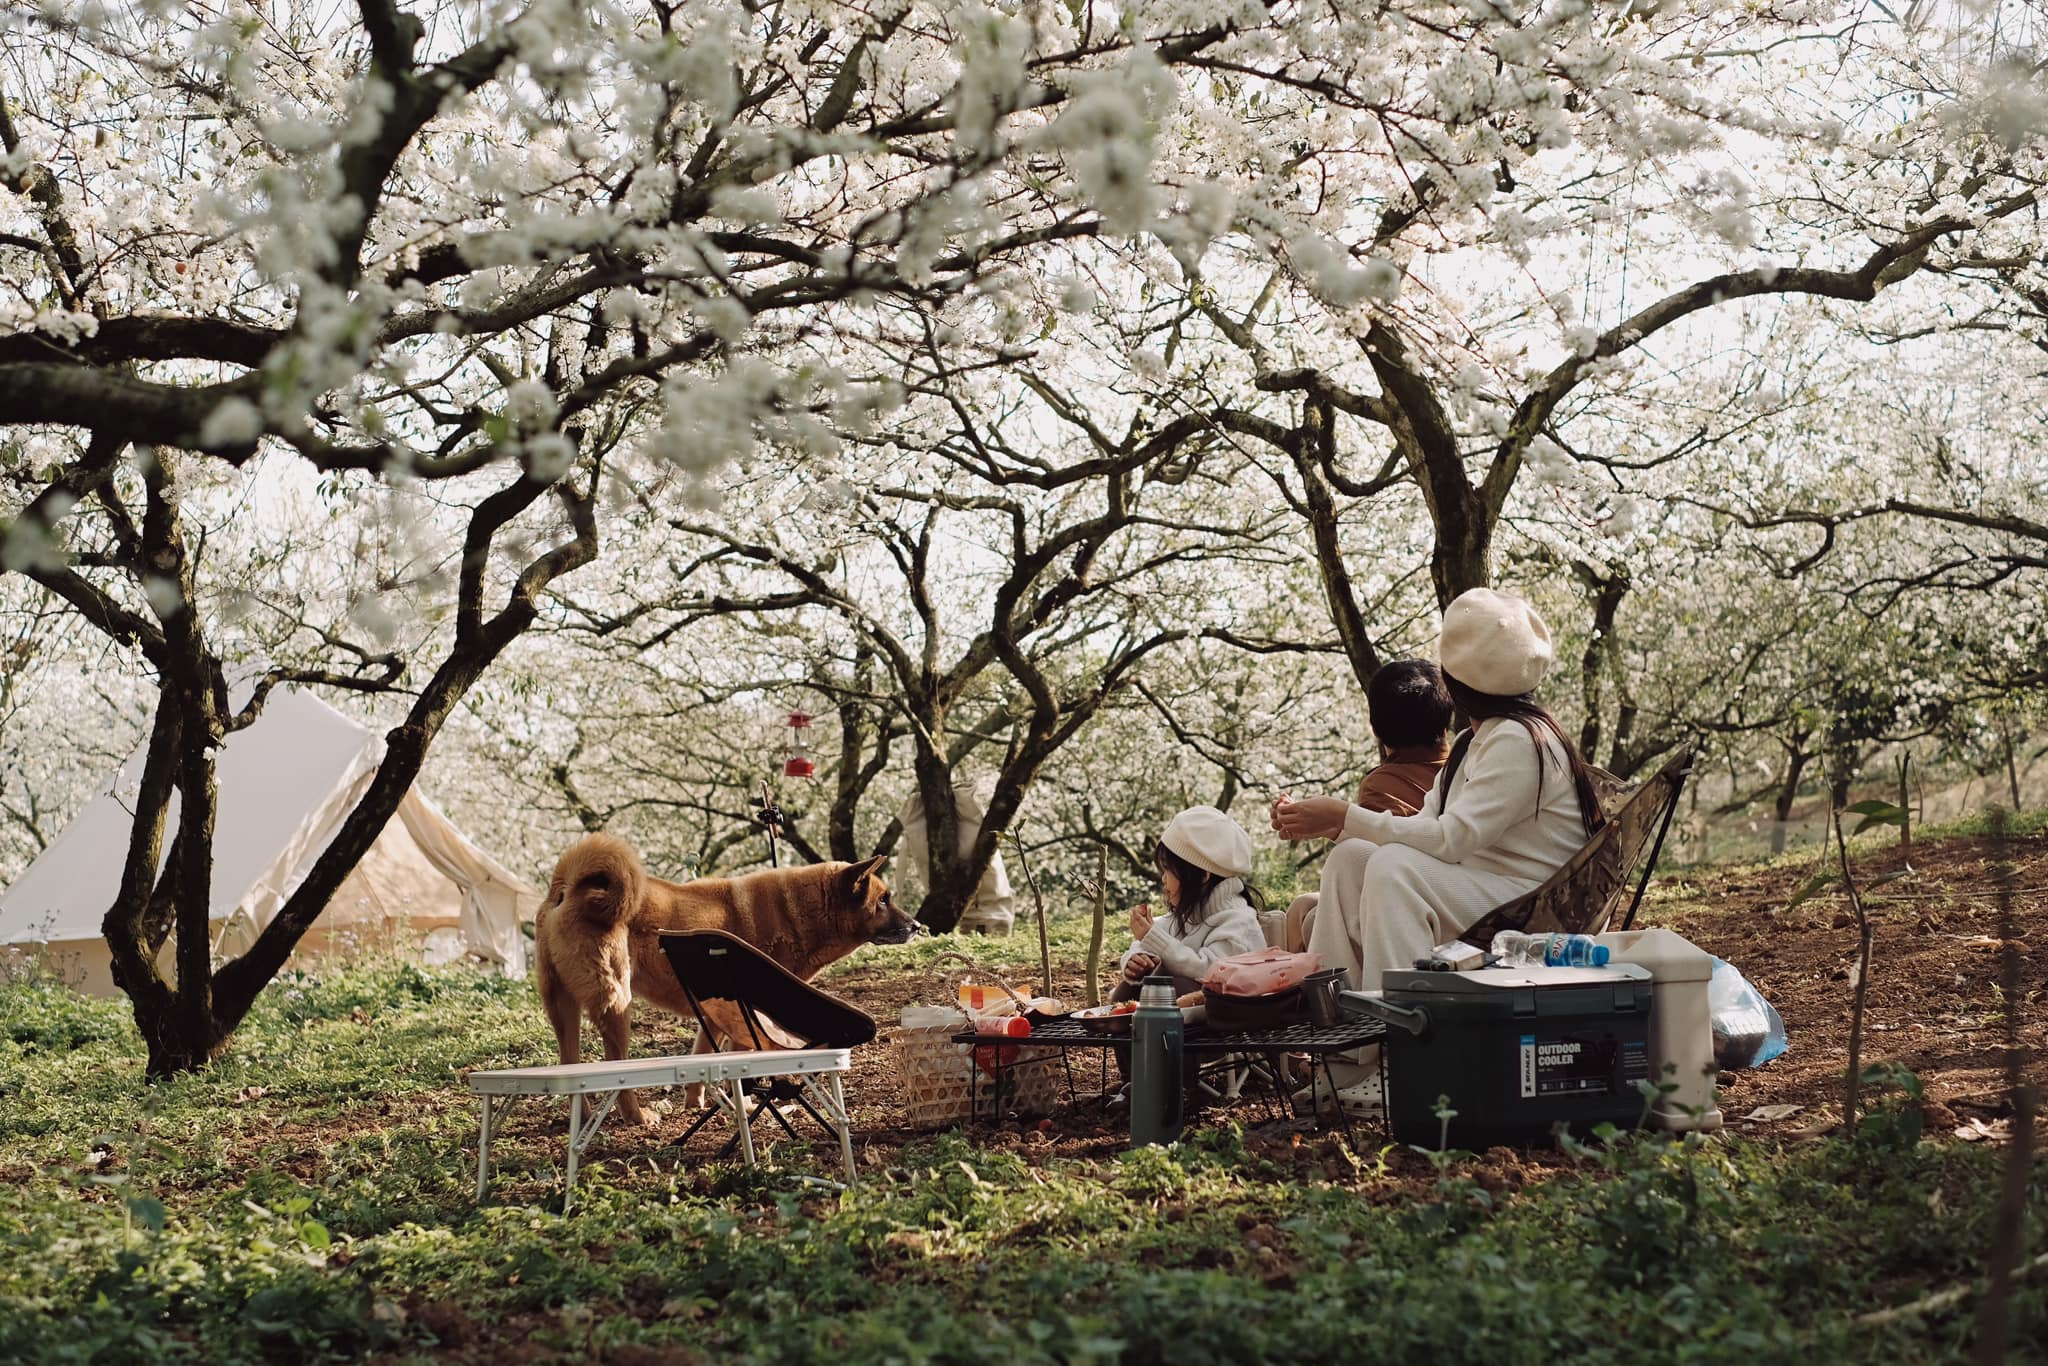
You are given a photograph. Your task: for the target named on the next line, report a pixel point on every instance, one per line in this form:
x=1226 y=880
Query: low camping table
x=1262 y=1047
x=819 y=1069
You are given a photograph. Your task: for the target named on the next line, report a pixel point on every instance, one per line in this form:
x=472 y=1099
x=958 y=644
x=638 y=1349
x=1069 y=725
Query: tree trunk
x=1905 y=802
x=1462 y=558
x=1589 y=696
x=1841 y=773
x=2012 y=771
x=962 y=876
x=1462 y=554
x=1620 y=761
x=858 y=769
x=1608 y=591
x=2009 y=1219
x=846 y=787
x=176 y=1019
x=1092 y=988
x=132 y=959
x=1318 y=435
x=197 y=1034
x=563 y=775
x=950 y=882
x=1788 y=795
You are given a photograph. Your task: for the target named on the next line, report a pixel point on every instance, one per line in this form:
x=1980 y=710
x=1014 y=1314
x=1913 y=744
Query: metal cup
x=1320 y=992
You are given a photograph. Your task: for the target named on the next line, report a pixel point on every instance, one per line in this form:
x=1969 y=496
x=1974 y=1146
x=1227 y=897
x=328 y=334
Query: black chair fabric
x=715 y=966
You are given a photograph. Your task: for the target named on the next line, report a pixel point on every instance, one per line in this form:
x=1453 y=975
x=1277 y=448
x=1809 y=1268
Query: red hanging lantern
x=798 y=763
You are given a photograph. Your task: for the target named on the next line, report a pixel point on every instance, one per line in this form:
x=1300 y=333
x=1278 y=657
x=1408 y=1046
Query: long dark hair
x=1534 y=718
x=1191 y=907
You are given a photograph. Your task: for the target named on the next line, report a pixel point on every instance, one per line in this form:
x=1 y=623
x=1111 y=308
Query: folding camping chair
x=1580 y=897
x=712 y=967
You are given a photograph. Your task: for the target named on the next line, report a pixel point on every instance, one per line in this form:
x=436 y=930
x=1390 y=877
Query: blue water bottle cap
x=1600 y=955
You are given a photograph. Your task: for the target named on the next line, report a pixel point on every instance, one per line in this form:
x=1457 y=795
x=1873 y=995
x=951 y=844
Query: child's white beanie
x=1494 y=643
x=1210 y=840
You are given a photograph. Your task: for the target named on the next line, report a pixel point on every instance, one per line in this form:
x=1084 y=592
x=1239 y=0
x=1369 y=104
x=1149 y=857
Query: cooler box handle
x=1414 y=1019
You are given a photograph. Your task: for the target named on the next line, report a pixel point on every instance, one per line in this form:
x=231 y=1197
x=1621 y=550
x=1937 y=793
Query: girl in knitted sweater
x=1202 y=857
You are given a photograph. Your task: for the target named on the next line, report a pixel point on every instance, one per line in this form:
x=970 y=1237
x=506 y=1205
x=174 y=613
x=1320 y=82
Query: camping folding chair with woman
x=1514 y=802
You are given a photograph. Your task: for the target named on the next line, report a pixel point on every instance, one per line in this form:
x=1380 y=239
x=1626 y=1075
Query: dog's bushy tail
x=600 y=879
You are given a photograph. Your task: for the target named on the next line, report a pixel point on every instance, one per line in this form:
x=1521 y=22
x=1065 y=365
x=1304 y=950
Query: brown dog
x=596 y=946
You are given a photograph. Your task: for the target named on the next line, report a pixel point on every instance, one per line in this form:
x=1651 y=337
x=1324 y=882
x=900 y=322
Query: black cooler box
x=1516 y=1050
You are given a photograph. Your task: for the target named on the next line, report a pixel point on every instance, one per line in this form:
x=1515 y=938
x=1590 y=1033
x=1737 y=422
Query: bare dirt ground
x=1934 y=1006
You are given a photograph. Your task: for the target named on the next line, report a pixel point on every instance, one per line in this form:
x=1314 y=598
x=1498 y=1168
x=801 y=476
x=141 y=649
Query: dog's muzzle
x=898 y=934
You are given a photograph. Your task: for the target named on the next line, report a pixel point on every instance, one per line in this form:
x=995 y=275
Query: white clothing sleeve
x=1234 y=930
x=1430 y=801
x=1497 y=790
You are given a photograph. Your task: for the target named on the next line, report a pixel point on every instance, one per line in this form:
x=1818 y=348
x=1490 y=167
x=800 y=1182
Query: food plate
x=1111 y=1019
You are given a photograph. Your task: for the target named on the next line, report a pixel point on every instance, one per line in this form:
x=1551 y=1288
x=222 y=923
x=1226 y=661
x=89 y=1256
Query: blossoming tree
x=512 y=259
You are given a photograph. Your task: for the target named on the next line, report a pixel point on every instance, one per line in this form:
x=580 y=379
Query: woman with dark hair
x=1202 y=858
x=1514 y=802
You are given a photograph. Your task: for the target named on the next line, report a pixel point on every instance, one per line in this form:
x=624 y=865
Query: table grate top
x=1294 y=1038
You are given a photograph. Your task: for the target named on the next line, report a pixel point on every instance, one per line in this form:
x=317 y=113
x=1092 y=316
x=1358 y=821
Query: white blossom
x=234 y=421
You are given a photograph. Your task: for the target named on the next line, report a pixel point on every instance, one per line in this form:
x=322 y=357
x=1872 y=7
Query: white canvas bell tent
x=286 y=784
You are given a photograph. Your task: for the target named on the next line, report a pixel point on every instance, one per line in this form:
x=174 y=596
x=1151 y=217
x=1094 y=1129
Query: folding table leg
x=745 y=1120
x=845 y=1124
x=483 y=1148
x=575 y=1148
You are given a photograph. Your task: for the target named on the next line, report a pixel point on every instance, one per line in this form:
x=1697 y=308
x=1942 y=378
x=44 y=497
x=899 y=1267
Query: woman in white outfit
x=1514 y=802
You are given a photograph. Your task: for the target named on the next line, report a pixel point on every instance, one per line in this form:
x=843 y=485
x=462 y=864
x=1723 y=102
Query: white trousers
x=1384 y=906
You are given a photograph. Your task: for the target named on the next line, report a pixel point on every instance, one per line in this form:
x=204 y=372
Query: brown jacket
x=1399 y=785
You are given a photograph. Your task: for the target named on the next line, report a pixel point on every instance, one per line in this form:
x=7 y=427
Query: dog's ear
x=857 y=873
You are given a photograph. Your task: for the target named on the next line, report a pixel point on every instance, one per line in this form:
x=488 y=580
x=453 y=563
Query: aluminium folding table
x=818 y=1071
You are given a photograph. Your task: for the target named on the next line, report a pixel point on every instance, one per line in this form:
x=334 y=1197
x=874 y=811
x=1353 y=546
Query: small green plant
x=1892 y=1117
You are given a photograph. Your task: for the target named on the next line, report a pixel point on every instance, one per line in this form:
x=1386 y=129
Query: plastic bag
x=1748 y=1031
x=1260 y=972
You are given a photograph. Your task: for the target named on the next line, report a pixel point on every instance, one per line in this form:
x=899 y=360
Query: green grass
x=1983 y=823
x=1016 y=957
x=309 y=1198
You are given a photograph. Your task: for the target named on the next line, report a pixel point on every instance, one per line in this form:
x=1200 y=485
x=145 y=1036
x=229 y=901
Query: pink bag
x=1260 y=973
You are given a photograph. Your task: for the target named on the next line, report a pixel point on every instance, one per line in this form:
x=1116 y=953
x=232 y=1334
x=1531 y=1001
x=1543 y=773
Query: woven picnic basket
x=941 y=1084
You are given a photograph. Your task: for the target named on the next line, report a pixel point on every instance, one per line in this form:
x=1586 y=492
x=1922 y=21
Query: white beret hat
x=1494 y=643
x=1210 y=840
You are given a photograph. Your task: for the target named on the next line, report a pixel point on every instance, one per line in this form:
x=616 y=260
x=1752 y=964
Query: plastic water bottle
x=1156 y=1081
x=1515 y=949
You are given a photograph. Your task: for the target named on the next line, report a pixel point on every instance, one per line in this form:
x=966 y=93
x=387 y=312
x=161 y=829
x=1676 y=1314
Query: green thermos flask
x=1156 y=1082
